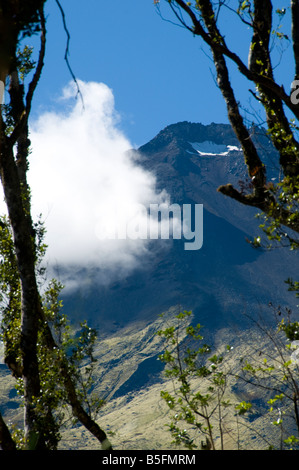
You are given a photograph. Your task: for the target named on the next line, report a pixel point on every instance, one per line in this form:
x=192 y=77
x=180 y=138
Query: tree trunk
x=272 y=96
x=25 y=253
x=14 y=16
x=6 y=441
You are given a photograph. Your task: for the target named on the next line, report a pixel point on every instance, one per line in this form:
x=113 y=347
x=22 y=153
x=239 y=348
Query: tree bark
x=255 y=167
x=273 y=97
x=6 y=441
x=221 y=46
x=13 y=177
x=24 y=245
x=70 y=388
x=81 y=414
x=260 y=64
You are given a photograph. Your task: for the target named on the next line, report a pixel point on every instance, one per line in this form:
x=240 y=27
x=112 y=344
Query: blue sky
x=138 y=74
x=159 y=73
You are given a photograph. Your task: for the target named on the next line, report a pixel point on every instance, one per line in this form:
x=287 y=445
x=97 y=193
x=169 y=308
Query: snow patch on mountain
x=211 y=148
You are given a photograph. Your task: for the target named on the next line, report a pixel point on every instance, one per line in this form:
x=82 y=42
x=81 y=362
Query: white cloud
x=80 y=174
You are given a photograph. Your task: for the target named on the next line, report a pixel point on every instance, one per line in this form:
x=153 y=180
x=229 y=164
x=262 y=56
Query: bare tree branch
x=66 y=55
x=271 y=95
x=221 y=47
x=13 y=178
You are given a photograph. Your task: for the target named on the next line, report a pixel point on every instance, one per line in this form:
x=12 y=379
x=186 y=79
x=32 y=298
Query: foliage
x=199 y=386
x=269 y=29
x=273 y=370
x=286 y=193
x=277 y=199
x=25 y=14
x=202 y=384
x=25 y=62
x=76 y=348
x=41 y=351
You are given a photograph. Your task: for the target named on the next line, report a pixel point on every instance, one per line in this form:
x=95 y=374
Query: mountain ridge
x=225 y=274
x=223 y=283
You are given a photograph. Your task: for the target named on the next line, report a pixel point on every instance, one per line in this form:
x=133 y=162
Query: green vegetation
x=277 y=200
x=193 y=405
x=40 y=350
x=66 y=352
x=205 y=411
x=53 y=365
x=268 y=29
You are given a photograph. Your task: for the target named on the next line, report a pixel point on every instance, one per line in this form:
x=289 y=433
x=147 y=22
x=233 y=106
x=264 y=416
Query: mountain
x=221 y=280
x=223 y=283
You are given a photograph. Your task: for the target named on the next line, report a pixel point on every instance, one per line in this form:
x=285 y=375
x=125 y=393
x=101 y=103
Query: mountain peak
x=184 y=131
x=192 y=150
x=184 y=147
x=189 y=162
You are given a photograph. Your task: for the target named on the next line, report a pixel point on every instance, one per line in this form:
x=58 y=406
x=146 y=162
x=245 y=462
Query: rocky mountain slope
x=223 y=282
